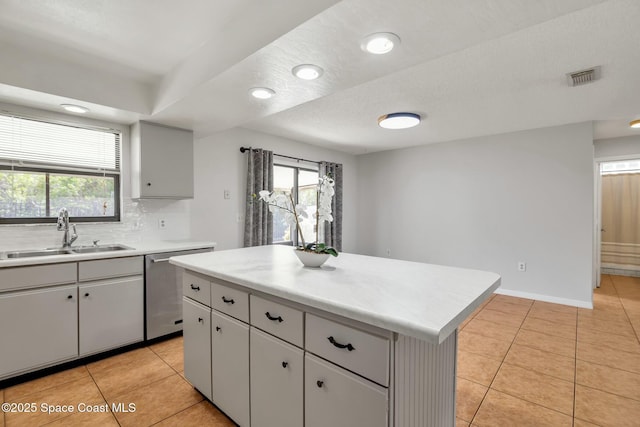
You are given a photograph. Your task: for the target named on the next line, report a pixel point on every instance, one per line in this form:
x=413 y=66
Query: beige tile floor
x=521 y=363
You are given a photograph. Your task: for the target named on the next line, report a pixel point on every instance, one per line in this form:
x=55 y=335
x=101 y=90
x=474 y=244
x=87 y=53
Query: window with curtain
x=46 y=165
x=301 y=183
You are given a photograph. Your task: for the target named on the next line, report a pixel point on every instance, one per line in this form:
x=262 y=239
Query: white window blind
x=30 y=142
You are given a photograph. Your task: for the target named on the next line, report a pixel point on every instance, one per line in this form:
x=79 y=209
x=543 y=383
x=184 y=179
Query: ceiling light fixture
x=74 y=108
x=399 y=120
x=635 y=124
x=379 y=43
x=261 y=92
x=307 y=71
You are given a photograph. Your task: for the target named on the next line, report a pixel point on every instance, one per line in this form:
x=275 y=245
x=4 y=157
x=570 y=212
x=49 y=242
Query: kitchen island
x=361 y=341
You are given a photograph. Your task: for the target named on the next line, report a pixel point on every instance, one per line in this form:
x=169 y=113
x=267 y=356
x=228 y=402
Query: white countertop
x=138 y=248
x=424 y=301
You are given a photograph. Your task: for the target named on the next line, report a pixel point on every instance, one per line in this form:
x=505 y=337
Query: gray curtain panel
x=333 y=230
x=258 y=223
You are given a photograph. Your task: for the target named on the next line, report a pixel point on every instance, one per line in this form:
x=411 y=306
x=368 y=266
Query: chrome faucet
x=63 y=224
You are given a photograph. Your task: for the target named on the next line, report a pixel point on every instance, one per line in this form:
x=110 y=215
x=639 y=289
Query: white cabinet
x=60 y=312
x=197 y=345
x=230 y=366
x=277 y=377
x=335 y=397
x=111 y=314
x=161 y=162
x=39 y=328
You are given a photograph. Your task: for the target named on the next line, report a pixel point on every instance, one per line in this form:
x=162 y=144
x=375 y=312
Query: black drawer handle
x=228 y=301
x=194 y=287
x=200 y=320
x=337 y=344
x=218 y=328
x=86 y=294
x=70 y=297
x=270 y=317
x=319 y=383
x=285 y=364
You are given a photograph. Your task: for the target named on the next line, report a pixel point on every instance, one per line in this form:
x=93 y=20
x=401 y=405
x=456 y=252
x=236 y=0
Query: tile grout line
x=103 y=396
x=613 y=283
x=499 y=367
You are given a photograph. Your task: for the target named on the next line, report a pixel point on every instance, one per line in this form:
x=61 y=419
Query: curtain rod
x=244 y=149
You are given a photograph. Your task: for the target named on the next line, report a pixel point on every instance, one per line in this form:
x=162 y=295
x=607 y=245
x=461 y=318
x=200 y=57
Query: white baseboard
x=545 y=298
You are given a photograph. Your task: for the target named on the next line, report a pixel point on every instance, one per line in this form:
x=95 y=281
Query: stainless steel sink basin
x=32 y=253
x=99 y=248
x=63 y=251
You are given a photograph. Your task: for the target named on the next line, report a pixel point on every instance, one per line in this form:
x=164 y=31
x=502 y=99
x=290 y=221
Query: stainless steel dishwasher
x=163 y=293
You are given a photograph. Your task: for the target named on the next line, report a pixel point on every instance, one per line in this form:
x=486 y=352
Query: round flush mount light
x=307 y=71
x=72 y=108
x=399 y=120
x=635 y=124
x=262 y=92
x=379 y=43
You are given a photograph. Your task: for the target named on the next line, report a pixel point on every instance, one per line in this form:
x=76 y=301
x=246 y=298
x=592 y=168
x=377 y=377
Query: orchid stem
x=295 y=215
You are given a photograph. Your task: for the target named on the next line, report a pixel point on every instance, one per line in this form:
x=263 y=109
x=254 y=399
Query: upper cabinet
x=161 y=162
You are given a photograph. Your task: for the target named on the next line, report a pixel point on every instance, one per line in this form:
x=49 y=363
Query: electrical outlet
x=227 y=194
x=162 y=223
x=522 y=266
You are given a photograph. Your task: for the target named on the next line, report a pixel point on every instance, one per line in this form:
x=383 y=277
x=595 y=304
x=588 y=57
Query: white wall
x=139 y=218
x=220 y=166
x=487 y=203
x=612 y=148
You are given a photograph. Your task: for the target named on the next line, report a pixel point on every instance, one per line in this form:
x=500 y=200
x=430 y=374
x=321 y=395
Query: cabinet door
x=230 y=366
x=111 y=314
x=166 y=162
x=337 y=398
x=276 y=382
x=39 y=328
x=196 y=329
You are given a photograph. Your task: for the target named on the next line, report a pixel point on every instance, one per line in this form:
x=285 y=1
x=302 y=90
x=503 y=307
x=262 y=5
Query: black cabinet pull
x=200 y=320
x=70 y=297
x=148 y=184
x=218 y=328
x=87 y=294
x=270 y=317
x=194 y=287
x=319 y=383
x=337 y=344
x=285 y=364
x=228 y=301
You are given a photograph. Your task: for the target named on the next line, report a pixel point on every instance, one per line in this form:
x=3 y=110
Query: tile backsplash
x=140 y=222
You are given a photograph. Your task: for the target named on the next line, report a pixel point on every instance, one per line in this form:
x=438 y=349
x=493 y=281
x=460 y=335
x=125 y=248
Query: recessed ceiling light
x=74 y=108
x=380 y=43
x=635 y=124
x=262 y=92
x=307 y=71
x=399 y=120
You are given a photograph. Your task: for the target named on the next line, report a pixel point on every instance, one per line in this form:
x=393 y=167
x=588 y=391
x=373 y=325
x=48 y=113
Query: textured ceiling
x=470 y=68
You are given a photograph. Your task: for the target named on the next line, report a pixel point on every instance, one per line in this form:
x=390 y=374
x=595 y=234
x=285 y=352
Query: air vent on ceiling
x=583 y=77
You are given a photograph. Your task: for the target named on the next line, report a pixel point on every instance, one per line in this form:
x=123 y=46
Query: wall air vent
x=583 y=77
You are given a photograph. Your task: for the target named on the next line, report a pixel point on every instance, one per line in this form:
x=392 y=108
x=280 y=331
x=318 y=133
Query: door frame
x=597 y=211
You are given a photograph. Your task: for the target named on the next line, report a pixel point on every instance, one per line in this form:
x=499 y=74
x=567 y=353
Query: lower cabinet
x=39 y=328
x=196 y=330
x=111 y=314
x=337 y=398
x=277 y=377
x=230 y=367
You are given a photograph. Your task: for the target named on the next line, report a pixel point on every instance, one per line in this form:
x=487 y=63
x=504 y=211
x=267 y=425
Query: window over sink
x=48 y=165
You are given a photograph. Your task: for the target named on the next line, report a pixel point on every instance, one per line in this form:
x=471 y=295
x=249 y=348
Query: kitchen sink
x=32 y=253
x=63 y=251
x=99 y=248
